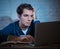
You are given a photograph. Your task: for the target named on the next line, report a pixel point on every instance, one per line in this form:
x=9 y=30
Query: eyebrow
x=27 y=15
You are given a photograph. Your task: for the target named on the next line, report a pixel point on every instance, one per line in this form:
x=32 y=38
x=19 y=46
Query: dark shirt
x=14 y=29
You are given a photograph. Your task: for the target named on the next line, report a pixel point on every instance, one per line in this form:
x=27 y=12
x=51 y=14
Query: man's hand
x=24 y=38
x=27 y=38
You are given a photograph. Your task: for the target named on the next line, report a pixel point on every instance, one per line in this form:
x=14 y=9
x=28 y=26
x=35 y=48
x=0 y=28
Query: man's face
x=26 y=17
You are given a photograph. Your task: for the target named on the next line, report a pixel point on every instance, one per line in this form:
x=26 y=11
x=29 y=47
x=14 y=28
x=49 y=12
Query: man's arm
x=5 y=32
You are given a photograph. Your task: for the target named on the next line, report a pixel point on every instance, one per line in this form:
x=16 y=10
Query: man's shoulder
x=36 y=21
x=13 y=23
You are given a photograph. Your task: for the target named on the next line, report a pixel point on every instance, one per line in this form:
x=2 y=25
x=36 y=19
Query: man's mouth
x=28 y=22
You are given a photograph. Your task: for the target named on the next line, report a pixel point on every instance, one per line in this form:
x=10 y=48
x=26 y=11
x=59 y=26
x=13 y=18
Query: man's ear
x=34 y=14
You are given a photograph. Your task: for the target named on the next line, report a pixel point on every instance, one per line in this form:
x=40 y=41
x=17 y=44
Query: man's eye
x=31 y=15
x=25 y=15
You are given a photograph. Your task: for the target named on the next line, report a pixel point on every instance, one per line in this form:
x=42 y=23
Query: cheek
x=23 y=20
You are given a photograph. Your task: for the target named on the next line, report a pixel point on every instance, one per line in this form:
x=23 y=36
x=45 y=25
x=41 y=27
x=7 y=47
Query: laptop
x=47 y=34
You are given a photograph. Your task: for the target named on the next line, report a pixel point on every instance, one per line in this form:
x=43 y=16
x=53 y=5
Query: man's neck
x=22 y=26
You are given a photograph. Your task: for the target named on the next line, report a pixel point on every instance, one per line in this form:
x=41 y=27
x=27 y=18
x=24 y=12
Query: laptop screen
x=47 y=33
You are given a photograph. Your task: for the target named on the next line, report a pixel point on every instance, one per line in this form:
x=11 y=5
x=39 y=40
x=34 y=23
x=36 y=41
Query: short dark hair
x=21 y=7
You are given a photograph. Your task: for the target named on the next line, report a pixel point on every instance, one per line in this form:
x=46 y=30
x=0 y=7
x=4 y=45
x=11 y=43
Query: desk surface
x=27 y=47
x=30 y=47
x=23 y=46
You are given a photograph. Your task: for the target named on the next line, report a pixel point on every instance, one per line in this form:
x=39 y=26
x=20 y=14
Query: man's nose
x=29 y=18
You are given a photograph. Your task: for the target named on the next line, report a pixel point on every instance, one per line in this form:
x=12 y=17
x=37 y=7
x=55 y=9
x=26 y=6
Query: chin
x=27 y=25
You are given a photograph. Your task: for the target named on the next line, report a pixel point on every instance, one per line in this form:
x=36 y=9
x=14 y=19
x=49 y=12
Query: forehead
x=26 y=11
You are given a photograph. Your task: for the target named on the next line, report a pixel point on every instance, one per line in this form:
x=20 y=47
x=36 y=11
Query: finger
x=24 y=39
x=30 y=38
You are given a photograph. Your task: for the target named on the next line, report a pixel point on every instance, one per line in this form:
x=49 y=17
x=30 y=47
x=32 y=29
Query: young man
x=23 y=29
